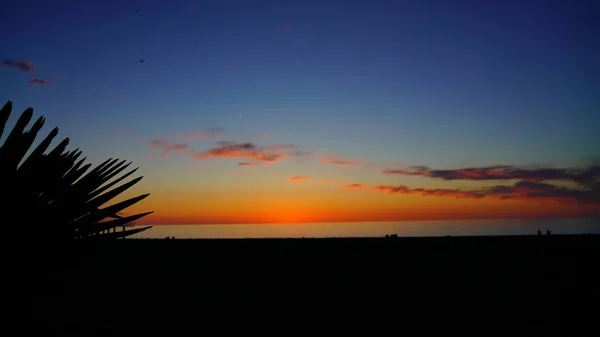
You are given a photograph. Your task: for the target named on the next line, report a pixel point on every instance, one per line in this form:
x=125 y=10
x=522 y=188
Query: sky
x=338 y=111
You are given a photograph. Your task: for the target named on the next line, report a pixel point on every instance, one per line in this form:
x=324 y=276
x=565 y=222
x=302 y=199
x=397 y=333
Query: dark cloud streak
x=22 y=65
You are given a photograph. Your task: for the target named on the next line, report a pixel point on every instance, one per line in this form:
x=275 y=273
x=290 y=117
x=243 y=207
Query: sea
x=487 y=227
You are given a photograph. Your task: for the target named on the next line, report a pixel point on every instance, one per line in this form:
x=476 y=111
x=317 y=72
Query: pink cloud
x=338 y=161
x=239 y=150
x=37 y=81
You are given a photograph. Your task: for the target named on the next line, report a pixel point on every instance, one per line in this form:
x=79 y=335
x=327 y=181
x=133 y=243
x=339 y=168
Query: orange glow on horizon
x=337 y=206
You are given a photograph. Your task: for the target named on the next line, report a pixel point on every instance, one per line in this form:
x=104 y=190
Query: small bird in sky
x=142 y=60
x=137 y=10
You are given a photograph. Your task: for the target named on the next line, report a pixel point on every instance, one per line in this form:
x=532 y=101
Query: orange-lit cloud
x=37 y=81
x=297 y=178
x=22 y=65
x=239 y=150
x=339 y=161
x=163 y=145
x=525 y=190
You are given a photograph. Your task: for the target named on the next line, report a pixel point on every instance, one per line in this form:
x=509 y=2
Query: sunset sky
x=278 y=111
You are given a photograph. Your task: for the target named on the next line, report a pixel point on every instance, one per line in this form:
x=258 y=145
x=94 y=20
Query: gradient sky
x=277 y=111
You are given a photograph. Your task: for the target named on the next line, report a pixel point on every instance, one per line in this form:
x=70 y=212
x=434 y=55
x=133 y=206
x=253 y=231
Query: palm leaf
x=61 y=195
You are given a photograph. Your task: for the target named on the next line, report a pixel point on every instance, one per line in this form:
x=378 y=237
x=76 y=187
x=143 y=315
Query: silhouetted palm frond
x=50 y=195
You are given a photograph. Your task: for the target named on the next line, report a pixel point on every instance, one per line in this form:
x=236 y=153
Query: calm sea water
x=378 y=229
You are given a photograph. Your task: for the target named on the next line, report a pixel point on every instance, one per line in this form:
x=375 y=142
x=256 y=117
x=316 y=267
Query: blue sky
x=435 y=83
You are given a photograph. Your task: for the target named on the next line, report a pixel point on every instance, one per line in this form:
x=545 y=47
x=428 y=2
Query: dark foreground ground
x=543 y=286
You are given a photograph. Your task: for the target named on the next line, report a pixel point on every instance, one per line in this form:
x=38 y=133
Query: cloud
x=22 y=65
x=500 y=172
x=240 y=150
x=279 y=147
x=357 y=186
x=525 y=190
x=60 y=74
x=297 y=178
x=532 y=183
x=163 y=145
x=250 y=163
x=338 y=161
x=37 y=81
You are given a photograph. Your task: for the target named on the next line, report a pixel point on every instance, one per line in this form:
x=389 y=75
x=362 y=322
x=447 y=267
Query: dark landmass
x=538 y=285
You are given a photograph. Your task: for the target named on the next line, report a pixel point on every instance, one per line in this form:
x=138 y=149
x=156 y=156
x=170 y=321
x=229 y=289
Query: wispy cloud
x=166 y=148
x=22 y=65
x=338 y=160
x=279 y=147
x=527 y=190
x=37 y=81
x=297 y=178
x=499 y=172
x=250 y=163
x=60 y=74
x=532 y=183
x=243 y=150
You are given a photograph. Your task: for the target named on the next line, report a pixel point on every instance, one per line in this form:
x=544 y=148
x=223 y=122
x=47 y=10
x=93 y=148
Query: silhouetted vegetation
x=49 y=196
